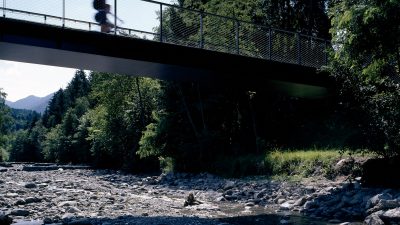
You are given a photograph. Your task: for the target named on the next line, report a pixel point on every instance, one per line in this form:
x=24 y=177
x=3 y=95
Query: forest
x=142 y=124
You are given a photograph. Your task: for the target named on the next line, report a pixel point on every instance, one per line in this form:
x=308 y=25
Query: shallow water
x=259 y=215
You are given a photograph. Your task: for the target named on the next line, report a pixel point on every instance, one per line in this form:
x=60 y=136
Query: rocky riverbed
x=83 y=196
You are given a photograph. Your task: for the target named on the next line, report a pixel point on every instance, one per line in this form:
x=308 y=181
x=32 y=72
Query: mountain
x=31 y=102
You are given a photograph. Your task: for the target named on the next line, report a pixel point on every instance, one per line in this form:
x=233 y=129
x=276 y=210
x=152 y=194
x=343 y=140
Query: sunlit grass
x=305 y=163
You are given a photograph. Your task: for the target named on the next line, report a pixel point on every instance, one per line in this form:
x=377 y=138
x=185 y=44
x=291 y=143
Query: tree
x=55 y=110
x=5 y=122
x=366 y=62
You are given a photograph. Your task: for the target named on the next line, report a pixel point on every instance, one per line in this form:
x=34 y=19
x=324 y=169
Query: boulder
x=391 y=216
x=5 y=219
x=373 y=219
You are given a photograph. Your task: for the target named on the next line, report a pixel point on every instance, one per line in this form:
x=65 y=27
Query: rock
x=373 y=219
x=285 y=206
x=250 y=204
x=280 y=201
x=20 y=212
x=300 y=201
x=47 y=220
x=3 y=170
x=375 y=199
x=309 y=205
x=334 y=221
x=344 y=166
x=20 y=202
x=67 y=203
x=384 y=205
x=30 y=185
x=220 y=199
x=30 y=200
x=12 y=195
x=73 y=210
x=229 y=185
x=391 y=216
x=5 y=219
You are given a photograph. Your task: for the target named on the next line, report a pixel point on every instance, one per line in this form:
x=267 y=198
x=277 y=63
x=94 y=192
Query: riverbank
x=85 y=196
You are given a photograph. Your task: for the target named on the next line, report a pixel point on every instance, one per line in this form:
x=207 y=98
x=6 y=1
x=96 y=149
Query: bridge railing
x=148 y=19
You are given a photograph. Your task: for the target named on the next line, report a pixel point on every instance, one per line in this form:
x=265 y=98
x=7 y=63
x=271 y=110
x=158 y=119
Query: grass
x=304 y=163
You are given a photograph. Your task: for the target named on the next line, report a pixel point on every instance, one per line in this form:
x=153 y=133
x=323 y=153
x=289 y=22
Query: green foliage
x=23 y=119
x=6 y=122
x=366 y=65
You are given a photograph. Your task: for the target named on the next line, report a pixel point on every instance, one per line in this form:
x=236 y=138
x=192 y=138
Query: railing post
x=298 y=48
x=237 y=36
x=270 y=43
x=4 y=8
x=115 y=17
x=161 y=22
x=63 y=16
x=201 y=32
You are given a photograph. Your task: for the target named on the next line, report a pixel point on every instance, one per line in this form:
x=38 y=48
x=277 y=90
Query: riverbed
x=86 y=196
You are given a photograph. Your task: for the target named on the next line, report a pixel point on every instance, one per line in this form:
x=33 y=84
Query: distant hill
x=31 y=102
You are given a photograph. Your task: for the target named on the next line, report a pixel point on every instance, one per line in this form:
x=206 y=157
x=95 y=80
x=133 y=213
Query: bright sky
x=20 y=80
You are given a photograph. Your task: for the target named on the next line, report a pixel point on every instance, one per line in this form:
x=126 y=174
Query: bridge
x=208 y=46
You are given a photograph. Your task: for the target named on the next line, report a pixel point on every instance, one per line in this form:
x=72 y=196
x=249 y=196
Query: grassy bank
x=303 y=163
x=285 y=163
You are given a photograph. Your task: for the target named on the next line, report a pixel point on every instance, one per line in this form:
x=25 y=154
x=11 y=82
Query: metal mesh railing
x=151 y=20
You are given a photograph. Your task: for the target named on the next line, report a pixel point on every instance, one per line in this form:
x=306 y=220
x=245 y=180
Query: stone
x=20 y=212
x=73 y=210
x=309 y=205
x=30 y=185
x=229 y=185
x=373 y=219
x=20 y=202
x=5 y=219
x=375 y=199
x=300 y=201
x=286 y=206
x=250 y=204
x=67 y=203
x=280 y=201
x=344 y=166
x=391 y=216
x=3 y=170
x=30 y=200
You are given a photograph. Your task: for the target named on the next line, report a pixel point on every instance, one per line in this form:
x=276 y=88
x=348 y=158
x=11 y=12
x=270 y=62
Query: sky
x=20 y=80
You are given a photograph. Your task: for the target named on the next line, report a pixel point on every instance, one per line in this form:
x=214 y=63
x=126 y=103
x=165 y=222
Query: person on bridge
x=101 y=16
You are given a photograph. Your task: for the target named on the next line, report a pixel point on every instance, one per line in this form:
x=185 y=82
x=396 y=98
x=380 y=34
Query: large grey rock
x=373 y=220
x=375 y=199
x=391 y=216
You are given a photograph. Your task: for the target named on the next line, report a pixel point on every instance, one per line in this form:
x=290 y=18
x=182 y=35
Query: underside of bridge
x=56 y=46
